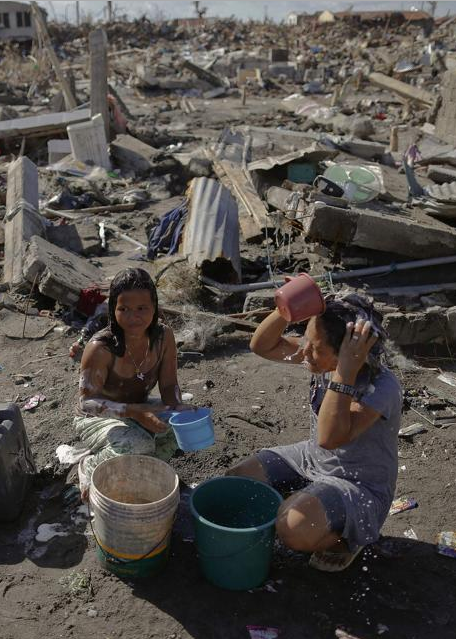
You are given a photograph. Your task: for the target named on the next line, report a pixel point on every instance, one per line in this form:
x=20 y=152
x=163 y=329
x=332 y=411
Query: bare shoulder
x=96 y=352
x=167 y=335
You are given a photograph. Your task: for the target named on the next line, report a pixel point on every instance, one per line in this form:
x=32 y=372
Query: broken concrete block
x=61 y=275
x=259 y=299
x=289 y=202
x=57 y=150
x=361 y=126
x=82 y=239
x=406 y=329
x=200 y=167
x=441 y=174
x=88 y=142
x=133 y=155
x=389 y=233
x=22 y=219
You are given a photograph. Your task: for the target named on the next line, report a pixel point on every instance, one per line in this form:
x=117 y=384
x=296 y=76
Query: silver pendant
x=140 y=376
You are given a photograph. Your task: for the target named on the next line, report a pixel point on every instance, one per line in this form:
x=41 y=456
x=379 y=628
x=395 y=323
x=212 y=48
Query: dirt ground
x=400 y=588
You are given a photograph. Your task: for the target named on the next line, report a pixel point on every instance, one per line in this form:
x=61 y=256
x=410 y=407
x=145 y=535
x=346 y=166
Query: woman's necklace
x=138 y=373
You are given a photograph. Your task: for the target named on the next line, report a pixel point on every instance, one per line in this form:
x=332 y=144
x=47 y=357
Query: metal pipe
x=335 y=276
x=389 y=268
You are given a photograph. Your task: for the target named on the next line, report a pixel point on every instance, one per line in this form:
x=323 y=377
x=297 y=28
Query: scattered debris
x=402 y=504
x=446 y=544
x=262 y=632
x=34 y=401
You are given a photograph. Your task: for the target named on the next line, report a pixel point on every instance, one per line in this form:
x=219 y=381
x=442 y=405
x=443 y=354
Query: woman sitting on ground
x=120 y=366
x=345 y=474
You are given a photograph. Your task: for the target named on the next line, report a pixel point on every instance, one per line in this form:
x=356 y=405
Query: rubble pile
x=248 y=151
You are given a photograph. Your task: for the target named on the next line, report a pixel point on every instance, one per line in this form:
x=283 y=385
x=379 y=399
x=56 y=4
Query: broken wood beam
x=22 y=219
x=389 y=233
x=204 y=74
x=244 y=192
x=92 y=210
x=98 y=45
x=42 y=125
x=240 y=324
x=402 y=88
x=40 y=25
x=250 y=230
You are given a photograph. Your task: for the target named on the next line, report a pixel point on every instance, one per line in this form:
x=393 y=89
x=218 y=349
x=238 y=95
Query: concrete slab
x=22 y=219
x=389 y=233
x=61 y=275
x=58 y=149
x=88 y=142
x=133 y=155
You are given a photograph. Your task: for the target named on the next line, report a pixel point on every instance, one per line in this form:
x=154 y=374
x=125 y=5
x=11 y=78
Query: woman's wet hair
x=341 y=309
x=131 y=279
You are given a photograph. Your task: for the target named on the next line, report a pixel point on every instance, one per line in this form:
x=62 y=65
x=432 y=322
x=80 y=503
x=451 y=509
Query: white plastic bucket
x=134 y=500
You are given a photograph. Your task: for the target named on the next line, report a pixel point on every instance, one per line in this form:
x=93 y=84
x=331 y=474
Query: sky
x=275 y=10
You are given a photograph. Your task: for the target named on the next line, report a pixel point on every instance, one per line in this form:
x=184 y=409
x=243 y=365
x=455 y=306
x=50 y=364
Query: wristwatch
x=346 y=389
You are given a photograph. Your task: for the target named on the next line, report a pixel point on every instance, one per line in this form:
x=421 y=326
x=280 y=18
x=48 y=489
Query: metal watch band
x=342 y=388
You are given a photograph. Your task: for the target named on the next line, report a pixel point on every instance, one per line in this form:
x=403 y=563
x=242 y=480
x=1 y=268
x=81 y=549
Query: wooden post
x=98 y=43
x=335 y=96
x=70 y=101
x=109 y=11
x=394 y=141
x=78 y=15
x=244 y=95
x=22 y=219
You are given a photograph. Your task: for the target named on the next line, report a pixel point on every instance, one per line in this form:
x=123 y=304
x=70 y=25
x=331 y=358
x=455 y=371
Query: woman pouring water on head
x=344 y=475
x=120 y=366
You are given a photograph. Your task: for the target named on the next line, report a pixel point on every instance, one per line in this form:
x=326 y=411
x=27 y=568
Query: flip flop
x=328 y=561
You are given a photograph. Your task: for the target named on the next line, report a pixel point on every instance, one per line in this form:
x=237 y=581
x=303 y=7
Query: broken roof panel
x=314 y=153
x=212 y=228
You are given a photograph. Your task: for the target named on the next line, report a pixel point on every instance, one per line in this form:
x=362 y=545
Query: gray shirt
x=364 y=470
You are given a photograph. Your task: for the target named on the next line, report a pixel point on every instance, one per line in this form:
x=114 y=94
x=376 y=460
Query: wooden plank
x=70 y=101
x=98 y=44
x=402 y=88
x=246 y=193
x=22 y=217
x=41 y=125
x=249 y=228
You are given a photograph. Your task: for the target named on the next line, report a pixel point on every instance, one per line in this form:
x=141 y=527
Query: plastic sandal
x=328 y=561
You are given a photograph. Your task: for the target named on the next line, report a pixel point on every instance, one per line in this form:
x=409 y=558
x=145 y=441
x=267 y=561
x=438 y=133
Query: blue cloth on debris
x=164 y=238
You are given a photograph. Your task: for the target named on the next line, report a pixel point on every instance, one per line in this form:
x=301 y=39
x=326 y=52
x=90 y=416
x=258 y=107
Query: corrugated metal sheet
x=212 y=227
x=314 y=153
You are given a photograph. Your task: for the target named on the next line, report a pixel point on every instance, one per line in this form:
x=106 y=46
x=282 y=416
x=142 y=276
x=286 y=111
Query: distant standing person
x=344 y=475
